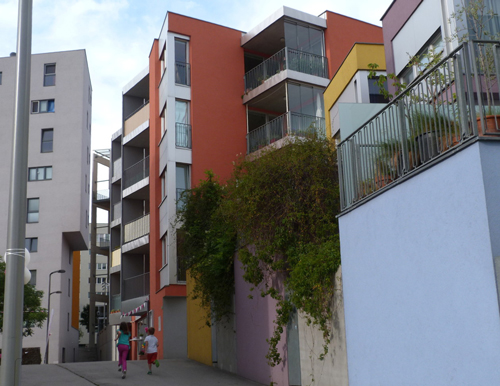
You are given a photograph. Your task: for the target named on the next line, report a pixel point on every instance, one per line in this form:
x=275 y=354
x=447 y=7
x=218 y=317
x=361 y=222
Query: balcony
x=446 y=108
x=136 y=229
x=183 y=135
x=116 y=257
x=135 y=287
x=136 y=173
x=286 y=59
x=182 y=73
x=102 y=240
x=117 y=169
x=136 y=119
x=288 y=124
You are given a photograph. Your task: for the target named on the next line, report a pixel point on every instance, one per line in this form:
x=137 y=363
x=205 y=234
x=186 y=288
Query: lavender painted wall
x=254 y=324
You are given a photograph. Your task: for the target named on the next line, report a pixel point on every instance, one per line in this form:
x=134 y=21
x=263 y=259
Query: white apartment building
x=58 y=185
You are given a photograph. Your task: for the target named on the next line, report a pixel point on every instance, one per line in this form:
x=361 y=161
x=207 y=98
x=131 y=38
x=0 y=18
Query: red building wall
x=340 y=35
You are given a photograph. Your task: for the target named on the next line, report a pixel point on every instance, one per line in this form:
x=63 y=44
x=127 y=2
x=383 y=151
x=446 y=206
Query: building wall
x=341 y=88
x=199 y=334
x=332 y=370
x=421 y=304
x=254 y=324
x=340 y=35
x=63 y=212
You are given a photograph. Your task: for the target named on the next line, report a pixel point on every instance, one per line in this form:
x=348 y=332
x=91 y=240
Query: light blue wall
x=421 y=304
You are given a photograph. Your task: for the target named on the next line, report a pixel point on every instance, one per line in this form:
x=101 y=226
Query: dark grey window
x=33 y=210
x=43 y=106
x=33 y=277
x=49 y=75
x=40 y=174
x=31 y=244
x=47 y=140
x=0 y=78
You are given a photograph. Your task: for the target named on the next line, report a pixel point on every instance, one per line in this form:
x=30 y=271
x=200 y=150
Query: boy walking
x=151 y=349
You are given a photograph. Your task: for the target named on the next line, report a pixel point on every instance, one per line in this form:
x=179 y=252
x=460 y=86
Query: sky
x=118 y=34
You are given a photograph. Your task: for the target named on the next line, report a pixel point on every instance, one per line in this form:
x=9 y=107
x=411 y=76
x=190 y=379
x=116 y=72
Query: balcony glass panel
x=136 y=173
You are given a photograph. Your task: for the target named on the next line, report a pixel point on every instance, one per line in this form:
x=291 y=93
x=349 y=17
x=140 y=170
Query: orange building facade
x=209 y=94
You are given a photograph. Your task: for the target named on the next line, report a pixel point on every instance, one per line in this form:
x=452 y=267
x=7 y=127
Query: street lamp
x=48 y=316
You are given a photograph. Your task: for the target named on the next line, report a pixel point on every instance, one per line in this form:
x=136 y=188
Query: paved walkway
x=172 y=372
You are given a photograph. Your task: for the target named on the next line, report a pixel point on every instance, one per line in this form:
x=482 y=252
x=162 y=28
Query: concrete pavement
x=172 y=372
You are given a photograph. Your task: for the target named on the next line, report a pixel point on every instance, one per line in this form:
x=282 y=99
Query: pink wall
x=254 y=324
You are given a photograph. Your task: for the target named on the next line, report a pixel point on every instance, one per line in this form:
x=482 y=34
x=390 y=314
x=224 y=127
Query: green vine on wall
x=283 y=206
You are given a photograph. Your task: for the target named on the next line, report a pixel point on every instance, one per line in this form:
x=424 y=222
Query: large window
x=182 y=126
x=43 y=106
x=306 y=100
x=33 y=210
x=49 y=75
x=433 y=49
x=182 y=72
x=47 y=140
x=182 y=181
x=31 y=244
x=0 y=78
x=40 y=174
x=164 y=249
x=304 y=38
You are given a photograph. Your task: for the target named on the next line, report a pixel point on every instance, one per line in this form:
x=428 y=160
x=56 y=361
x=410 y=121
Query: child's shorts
x=151 y=357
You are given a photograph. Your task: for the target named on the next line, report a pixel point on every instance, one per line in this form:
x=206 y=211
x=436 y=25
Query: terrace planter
x=492 y=124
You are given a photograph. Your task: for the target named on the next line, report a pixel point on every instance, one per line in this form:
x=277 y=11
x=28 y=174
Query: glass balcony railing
x=287 y=124
x=102 y=240
x=449 y=104
x=136 y=173
x=136 y=228
x=116 y=302
x=286 y=59
x=183 y=135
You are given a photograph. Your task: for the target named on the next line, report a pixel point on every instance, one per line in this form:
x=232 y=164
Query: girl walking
x=123 y=338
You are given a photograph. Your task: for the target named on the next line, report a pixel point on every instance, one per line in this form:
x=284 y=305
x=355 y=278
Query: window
x=40 y=173
x=102 y=265
x=44 y=106
x=163 y=60
x=101 y=280
x=163 y=121
x=433 y=49
x=182 y=127
x=47 y=140
x=33 y=277
x=182 y=181
x=33 y=210
x=0 y=78
x=69 y=287
x=163 y=181
x=375 y=95
x=31 y=244
x=164 y=249
x=182 y=72
x=49 y=75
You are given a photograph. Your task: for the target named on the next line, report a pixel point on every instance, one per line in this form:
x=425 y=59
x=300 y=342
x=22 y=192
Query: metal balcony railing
x=290 y=59
x=183 y=73
x=183 y=135
x=136 y=228
x=289 y=123
x=135 y=287
x=447 y=105
x=136 y=173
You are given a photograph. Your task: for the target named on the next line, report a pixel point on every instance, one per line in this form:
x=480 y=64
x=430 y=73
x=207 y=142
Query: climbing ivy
x=209 y=243
x=284 y=205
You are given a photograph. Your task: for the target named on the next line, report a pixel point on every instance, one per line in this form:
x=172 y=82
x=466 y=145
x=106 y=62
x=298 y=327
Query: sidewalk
x=172 y=372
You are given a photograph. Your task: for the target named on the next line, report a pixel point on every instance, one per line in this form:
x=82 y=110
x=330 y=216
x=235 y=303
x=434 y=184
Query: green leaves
x=282 y=208
x=34 y=315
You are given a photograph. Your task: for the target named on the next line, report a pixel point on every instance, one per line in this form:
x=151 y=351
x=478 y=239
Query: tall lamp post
x=48 y=317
